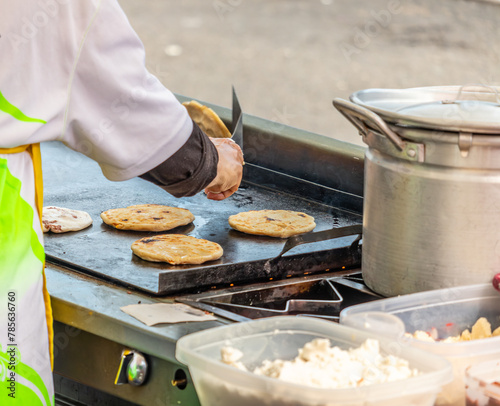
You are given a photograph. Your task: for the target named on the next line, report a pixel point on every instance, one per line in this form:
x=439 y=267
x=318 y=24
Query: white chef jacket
x=73 y=71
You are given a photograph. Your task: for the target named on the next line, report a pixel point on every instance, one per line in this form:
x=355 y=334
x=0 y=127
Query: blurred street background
x=289 y=58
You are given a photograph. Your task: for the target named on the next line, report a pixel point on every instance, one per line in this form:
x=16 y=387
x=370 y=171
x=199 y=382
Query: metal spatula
x=322 y=236
x=237 y=130
x=292 y=242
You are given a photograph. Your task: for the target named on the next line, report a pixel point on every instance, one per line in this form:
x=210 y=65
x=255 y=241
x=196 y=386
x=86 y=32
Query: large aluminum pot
x=431 y=204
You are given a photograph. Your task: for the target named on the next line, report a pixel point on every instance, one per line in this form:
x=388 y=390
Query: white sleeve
x=118 y=113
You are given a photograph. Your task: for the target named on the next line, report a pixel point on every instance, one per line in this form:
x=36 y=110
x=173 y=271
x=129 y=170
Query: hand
x=229 y=169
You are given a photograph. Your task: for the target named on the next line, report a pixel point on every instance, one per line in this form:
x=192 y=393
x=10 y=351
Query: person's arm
x=117 y=113
x=213 y=164
x=121 y=116
x=190 y=169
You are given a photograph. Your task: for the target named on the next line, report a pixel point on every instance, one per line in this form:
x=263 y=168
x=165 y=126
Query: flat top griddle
x=71 y=180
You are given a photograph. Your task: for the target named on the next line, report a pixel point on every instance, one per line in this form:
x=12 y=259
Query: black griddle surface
x=71 y=180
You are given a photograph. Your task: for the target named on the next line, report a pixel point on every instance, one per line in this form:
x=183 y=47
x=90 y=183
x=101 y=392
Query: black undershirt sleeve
x=190 y=169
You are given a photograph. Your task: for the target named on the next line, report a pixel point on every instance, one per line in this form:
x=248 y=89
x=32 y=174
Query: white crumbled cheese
x=232 y=356
x=322 y=366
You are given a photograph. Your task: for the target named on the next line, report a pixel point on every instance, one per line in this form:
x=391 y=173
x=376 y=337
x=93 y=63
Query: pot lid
x=474 y=109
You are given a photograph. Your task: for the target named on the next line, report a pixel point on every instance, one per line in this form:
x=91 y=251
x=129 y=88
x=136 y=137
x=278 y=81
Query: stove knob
x=133 y=368
x=137 y=369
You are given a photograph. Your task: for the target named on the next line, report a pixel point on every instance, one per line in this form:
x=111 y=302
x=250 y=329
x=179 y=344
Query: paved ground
x=289 y=58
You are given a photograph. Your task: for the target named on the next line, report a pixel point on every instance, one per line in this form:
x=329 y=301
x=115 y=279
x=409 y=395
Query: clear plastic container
x=482 y=384
x=218 y=384
x=449 y=311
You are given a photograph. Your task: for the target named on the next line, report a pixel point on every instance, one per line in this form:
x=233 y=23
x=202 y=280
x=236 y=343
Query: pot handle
x=361 y=118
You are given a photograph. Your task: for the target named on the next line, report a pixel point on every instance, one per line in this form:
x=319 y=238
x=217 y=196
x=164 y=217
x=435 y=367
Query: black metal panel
x=264 y=177
x=74 y=181
x=304 y=155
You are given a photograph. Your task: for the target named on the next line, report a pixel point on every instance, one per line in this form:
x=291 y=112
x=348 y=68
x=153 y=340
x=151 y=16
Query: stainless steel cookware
x=432 y=186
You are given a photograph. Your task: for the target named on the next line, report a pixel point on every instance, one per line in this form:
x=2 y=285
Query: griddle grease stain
x=240 y=199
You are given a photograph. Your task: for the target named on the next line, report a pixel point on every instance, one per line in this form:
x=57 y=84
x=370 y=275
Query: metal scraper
x=337 y=232
x=237 y=130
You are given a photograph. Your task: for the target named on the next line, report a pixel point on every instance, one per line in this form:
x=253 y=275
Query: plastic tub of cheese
x=296 y=354
x=437 y=320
